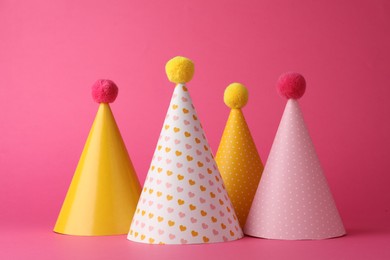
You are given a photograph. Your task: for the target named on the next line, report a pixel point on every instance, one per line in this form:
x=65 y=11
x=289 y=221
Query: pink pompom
x=291 y=85
x=104 y=91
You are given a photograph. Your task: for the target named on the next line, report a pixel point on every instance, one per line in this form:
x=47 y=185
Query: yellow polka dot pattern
x=239 y=164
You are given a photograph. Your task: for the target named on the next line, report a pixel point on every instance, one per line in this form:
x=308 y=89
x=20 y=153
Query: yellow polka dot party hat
x=104 y=191
x=237 y=158
x=293 y=200
x=183 y=200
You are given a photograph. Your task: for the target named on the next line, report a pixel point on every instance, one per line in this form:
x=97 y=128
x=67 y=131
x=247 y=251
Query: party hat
x=183 y=200
x=237 y=158
x=293 y=200
x=104 y=192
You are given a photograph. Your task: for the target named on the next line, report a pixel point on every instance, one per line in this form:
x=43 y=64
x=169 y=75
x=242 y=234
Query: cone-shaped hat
x=183 y=200
x=237 y=158
x=104 y=192
x=293 y=200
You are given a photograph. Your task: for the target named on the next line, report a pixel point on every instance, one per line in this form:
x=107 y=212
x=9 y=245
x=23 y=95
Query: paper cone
x=183 y=200
x=293 y=200
x=104 y=192
x=238 y=161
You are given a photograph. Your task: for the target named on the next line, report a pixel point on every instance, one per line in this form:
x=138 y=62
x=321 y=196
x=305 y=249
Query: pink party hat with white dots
x=293 y=200
x=183 y=200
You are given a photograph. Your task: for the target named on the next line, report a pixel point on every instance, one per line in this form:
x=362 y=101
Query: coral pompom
x=291 y=85
x=104 y=91
x=179 y=69
x=236 y=95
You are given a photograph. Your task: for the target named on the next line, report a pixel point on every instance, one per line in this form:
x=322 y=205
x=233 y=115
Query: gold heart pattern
x=184 y=200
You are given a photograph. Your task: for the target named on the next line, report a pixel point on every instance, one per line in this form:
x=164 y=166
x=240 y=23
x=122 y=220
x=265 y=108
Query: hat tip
x=179 y=69
x=104 y=91
x=291 y=85
x=236 y=95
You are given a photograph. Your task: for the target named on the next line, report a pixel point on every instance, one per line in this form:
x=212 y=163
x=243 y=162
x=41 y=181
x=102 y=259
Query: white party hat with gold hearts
x=237 y=158
x=293 y=200
x=183 y=200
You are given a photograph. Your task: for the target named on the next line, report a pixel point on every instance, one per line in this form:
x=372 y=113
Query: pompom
x=236 y=95
x=291 y=85
x=104 y=91
x=179 y=69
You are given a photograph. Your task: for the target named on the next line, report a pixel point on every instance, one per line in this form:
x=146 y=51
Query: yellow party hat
x=104 y=192
x=237 y=158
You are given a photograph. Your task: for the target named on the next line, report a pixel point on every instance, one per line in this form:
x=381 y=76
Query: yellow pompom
x=236 y=95
x=179 y=69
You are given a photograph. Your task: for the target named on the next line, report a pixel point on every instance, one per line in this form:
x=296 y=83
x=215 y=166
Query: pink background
x=51 y=52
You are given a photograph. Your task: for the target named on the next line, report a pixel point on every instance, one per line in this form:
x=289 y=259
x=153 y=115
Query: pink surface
x=51 y=52
x=367 y=242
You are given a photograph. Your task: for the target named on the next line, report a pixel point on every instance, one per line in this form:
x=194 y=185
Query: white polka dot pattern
x=293 y=200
